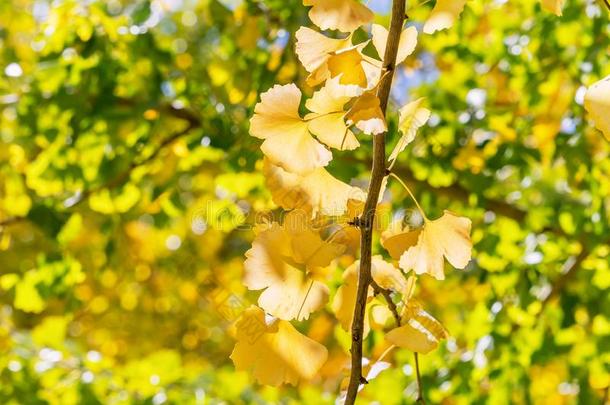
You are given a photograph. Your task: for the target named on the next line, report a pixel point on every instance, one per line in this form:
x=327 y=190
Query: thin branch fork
x=368 y=216
x=387 y=296
x=378 y=290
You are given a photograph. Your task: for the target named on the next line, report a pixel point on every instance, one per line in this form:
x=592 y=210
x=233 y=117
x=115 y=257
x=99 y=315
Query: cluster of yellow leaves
x=289 y=261
x=316 y=193
x=423 y=250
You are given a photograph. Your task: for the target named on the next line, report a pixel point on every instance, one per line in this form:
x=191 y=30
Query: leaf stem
x=313 y=116
x=385 y=353
x=368 y=215
x=304 y=299
x=421 y=211
x=420 y=393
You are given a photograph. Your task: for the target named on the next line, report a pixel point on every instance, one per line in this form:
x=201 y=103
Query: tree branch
x=194 y=122
x=125 y=175
x=10 y=220
x=388 y=298
x=570 y=272
x=368 y=216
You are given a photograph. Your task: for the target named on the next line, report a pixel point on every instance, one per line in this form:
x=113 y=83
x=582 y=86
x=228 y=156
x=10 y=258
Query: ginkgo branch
x=368 y=216
x=10 y=221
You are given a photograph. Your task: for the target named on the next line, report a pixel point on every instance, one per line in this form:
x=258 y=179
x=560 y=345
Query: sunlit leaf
x=406 y=46
x=276 y=119
x=444 y=15
x=316 y=192
x=445 y=237
x=366 y=114
x=597 y=103
x=342 y=15
x=275 y=353
x=419 y=331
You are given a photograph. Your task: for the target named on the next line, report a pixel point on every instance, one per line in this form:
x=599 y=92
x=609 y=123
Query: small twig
x=387 y=295
x=408 y=190
x=355 y=222
x=392 y=306
x=420 y=392
x=134 y=165
x=562 y=280
x=10 y=221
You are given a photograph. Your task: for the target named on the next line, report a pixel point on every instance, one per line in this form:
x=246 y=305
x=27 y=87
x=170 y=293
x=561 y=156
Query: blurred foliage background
x=128 y=182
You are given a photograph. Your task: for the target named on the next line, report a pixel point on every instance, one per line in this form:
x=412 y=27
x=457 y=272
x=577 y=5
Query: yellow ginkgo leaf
x=597 y=103
x=290 y=292
x=412 y=117
x=398 y=238
x=448 y=236
x=347 y=65
x=277 y=353
x=345 y=299
x=366 y=114
x=314 y=49
x=554 y=6
x=380 y=316
x=308 y=248
x=326 y=118
x=419 y=331
x=387 y=276
x=317 y=192
x=350 y=235
x=342 y=15
x=326 y=58
x=444 y=15
x=406 y=46
x=288 y=142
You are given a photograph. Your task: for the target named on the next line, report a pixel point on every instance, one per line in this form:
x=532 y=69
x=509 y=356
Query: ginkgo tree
x=129 y=186
x=288 y=258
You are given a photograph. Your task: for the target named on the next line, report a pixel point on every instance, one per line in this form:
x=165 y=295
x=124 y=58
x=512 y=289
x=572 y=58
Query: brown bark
x=366 y=221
